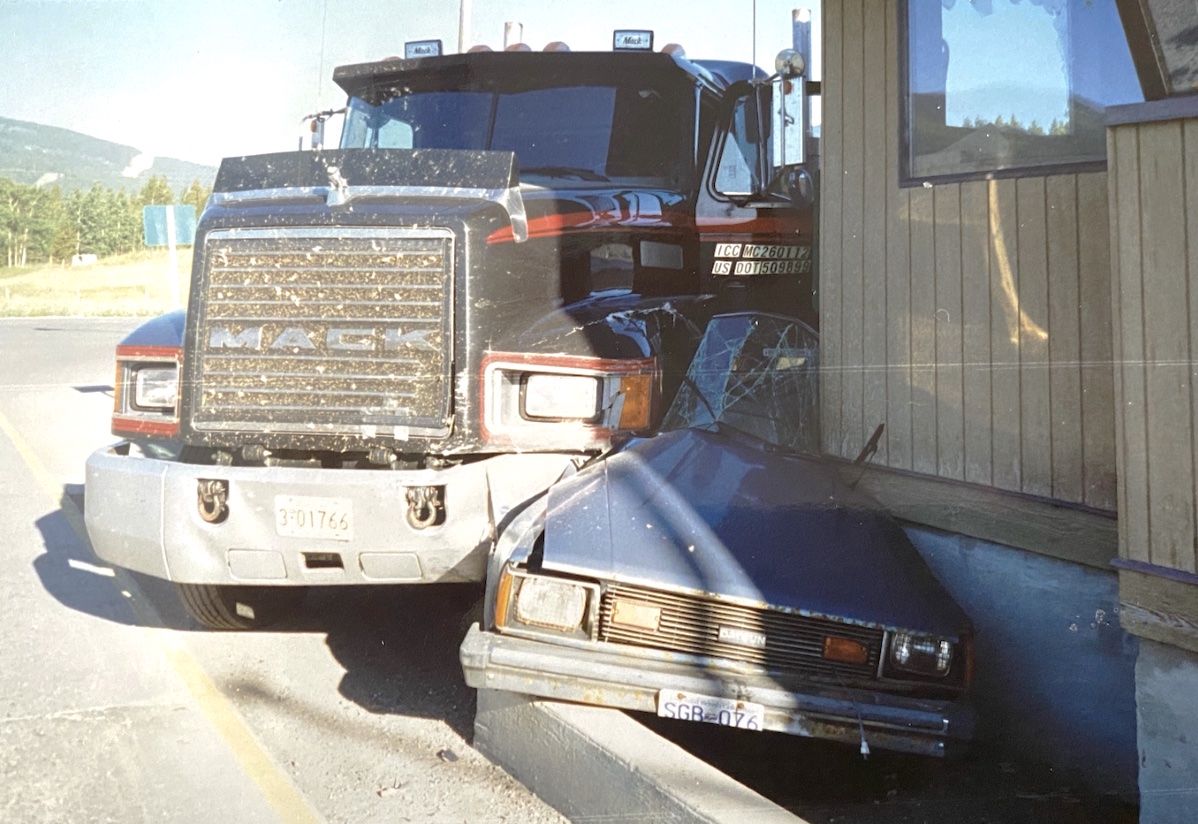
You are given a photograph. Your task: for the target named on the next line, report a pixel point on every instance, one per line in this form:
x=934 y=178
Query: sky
x=200 y=80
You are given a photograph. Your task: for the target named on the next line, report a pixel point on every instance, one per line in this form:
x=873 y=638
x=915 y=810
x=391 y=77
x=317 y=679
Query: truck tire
x=234 y=608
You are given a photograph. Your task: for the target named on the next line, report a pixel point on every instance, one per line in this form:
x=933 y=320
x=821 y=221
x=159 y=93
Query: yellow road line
x=280 y=793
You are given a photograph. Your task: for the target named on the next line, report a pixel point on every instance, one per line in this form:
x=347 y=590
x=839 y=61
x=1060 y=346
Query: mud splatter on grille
x=305 y=332
x=792 y=643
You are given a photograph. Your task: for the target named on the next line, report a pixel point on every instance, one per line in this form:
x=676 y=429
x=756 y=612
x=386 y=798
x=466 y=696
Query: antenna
x=753 y=35
x=463 y=23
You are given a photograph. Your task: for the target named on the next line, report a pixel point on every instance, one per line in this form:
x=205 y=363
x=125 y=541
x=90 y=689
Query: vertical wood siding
x=972 y=319
x=1154 y=197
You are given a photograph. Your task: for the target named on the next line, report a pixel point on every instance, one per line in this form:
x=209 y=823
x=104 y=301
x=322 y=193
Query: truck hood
x=718 y=513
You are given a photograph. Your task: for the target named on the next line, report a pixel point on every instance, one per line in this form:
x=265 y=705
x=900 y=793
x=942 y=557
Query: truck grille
x=792 y=643
x=311 y=331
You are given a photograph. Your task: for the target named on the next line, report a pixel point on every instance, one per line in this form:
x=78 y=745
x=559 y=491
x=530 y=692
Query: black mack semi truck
x=393 y=345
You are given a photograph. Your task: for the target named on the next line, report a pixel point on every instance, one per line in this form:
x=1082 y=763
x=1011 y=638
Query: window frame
x=909 y=180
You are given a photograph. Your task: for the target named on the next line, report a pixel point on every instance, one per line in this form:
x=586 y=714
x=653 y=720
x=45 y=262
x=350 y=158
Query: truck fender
x=164 y=330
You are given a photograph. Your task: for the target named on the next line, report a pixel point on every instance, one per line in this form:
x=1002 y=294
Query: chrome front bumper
x=142 y=514
x=630 y=678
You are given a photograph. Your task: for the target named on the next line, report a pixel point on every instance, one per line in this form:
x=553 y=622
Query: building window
x=1003 y=87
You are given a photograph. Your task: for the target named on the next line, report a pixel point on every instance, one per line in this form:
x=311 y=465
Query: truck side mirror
x=790 y=108
x=787 y=113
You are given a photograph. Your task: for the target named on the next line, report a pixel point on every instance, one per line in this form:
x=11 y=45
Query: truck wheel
x=230 y=607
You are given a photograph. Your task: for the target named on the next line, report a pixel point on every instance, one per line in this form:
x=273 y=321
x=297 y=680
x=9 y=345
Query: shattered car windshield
x=625 y=133
x=755 y=373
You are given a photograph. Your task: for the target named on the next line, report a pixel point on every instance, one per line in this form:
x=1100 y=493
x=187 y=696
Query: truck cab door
x=755 y=208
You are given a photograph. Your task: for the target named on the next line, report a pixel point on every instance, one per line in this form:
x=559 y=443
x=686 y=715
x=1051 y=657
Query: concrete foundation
x=597 y=764
x=1055 y=676
x=1167 y=702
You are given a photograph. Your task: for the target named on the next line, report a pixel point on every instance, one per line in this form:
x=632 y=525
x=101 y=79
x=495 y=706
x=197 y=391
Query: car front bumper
x=142 y=514
x=631 y=678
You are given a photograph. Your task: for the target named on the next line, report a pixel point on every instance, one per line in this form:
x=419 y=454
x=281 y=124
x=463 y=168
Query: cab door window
x=739 y=170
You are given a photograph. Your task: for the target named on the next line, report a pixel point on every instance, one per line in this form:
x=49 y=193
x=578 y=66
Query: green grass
x=129 y=285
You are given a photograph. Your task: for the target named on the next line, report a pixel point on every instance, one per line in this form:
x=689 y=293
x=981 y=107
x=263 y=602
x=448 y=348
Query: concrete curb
x=597 y=764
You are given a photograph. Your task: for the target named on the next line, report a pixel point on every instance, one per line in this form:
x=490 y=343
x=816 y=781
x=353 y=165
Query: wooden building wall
x=973 y=319
x=1153 y=160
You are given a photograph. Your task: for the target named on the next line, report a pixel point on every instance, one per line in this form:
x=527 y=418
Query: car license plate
x=298 y=516
x=727 y=712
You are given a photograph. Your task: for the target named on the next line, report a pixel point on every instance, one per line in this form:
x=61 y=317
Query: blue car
x=723 y=572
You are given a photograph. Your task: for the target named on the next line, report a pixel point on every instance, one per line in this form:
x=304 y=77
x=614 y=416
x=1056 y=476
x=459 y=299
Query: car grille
x=691 y=624
x=312 y=332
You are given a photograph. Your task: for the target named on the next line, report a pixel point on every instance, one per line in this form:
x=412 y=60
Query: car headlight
x=540 y=602
x=543 y=602
x=921 y=654
x=549 y=396
x=156 y=387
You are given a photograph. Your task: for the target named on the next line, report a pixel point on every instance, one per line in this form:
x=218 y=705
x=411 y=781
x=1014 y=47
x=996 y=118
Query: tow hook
x=213 y=500
x=425 y=507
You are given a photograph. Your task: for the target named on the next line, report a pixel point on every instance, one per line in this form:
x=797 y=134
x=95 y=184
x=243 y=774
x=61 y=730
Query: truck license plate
x=297 y=516
x=726 y=712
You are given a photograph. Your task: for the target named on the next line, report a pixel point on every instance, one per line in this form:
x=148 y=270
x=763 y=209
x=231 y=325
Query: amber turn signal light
x=638 y=401
x=842 y=649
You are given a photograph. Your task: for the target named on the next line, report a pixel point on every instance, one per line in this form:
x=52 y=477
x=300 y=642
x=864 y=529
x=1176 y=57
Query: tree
x=45 y=221
x=156 y=192
x=128 y=233
x=1057 y=128
x=26 y=223
x=97 y=219
x=196 y=195
x=1035 y=128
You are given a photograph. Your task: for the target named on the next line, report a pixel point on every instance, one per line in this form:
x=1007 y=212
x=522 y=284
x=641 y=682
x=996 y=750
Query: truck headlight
x=570 y=402
x=156 y=387
x=146 y=397
x=921 y=654
x=557 y=397
x=544 y=602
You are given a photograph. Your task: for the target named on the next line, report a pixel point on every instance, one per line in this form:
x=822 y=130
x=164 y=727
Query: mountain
x=31 y=153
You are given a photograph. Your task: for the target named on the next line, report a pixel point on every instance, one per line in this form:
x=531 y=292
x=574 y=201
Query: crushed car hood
x=723 y=514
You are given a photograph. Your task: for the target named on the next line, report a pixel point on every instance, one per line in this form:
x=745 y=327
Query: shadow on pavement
x=78 y=580
x=397 y=644
x=399 y=647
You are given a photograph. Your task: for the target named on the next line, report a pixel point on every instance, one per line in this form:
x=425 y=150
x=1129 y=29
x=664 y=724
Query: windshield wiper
x=566 y=171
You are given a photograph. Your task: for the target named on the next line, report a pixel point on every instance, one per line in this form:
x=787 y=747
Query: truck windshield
x=624 y=134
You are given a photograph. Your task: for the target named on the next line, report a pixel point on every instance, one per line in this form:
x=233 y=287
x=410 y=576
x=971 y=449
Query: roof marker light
x=556 y=46
x=519 y=47
x=478 y=48
x=632 y=40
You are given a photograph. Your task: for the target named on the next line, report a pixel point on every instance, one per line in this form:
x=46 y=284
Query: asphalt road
x=114 y=707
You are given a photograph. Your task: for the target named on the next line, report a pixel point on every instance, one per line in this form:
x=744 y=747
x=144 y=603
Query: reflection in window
x=1011 y=84
x=737 y=172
